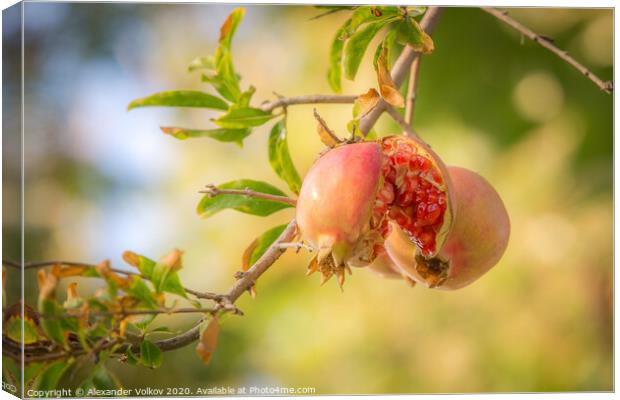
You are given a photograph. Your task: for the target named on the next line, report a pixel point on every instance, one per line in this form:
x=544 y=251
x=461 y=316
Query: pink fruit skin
x=385 y=267
x=333 y=209
x=476 y=241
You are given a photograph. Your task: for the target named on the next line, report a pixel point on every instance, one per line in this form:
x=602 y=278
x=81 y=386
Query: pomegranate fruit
x=357 y=195
x=476 y=241
x=384 y=266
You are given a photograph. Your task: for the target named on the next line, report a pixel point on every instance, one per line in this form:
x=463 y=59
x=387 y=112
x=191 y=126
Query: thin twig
x=213 y=191
x=412 y=89
x=326 y=128
x=606 y=86
x=297 y=246
x=309 y=99
x=399 y=119
x=401 y=68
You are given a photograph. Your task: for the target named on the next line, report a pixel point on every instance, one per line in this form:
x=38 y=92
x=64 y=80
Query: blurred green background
x=100 y=180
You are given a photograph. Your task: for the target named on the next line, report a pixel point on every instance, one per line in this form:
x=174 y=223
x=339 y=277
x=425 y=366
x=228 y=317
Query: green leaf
x=209 y=206
x=264 y=241
x=180 y=98
x=367 y=14
x=52 y=374
x=245 y=98
x=32 y=371
x=103 y=380
x=13 y=330
x=280 y=158
x=173 y=285
x=150 y=355
x=220 y=134
x=408 y=32
x=141 y=291
x=50 y=310
x=160 y=274
x=358 y=43
x=239 y=118
x=334 y=73
x=131 y=357
x=390 y=44
x=226 y=82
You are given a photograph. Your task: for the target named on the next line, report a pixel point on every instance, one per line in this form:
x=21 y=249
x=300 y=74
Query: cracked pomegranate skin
x=476 y=241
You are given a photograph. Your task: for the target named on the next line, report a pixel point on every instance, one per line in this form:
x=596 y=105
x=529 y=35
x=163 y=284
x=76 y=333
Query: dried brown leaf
x=327 y=136
x=72 y=291
x=47 y=284
x=208 y=341
x=368 y=101
x=131 y=258
x=173 y=260
x=387 y=87
x=105 y=271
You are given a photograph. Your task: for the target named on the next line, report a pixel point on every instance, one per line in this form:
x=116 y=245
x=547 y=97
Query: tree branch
x=412 y=89
x=401 y=67
x=399 y=119
x=213 y=191
x=309 y=99
x=245 y=282
x=606 y=86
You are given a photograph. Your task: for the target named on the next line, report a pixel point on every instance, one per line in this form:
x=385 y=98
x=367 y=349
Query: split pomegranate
x=358 y=195
x=476 y=241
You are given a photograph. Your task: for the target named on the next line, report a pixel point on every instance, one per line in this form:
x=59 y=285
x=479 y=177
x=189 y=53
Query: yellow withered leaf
x=247 y=255
x=387 y=87
x=173 y=260
x=208 y=341
x=367 y=101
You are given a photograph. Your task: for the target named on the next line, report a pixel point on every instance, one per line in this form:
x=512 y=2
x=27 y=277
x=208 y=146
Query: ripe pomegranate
x=384 y=266
x=476 y=241
x=358 y=195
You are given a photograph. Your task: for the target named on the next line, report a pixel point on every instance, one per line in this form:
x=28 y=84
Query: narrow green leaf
x=180 y=98
x=280 y=158
x=219 y=134
x=209 y=206
x=150 y=355
x=334 y=73
x=358 y=43
x=227 y=83
x=240 y=118
x=52 y=374
x=264 y=241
